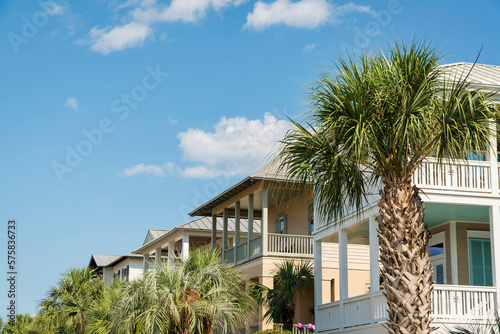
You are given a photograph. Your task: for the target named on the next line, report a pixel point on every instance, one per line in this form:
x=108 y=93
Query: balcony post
x=145 y=262
x=454 y=253
x=343 y=273
x=250 y=224
x=224 y=233
x=495 y=248
x=236 y=229
x=171 y=251
x=493 y=158
x=318 y=275
x=374 y=264
x=214 y=231
x=265 y=220
x=158 y=256
x=185 y=247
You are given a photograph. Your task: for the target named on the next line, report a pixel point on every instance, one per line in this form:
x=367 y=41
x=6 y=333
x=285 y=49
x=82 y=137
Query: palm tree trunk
x=404 y=238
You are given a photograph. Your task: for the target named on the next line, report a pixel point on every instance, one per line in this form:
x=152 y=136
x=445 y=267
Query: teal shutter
x=480 y=262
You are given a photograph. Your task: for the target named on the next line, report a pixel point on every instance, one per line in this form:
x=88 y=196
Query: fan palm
x=24 y=325
x=371 y=125
x=201 y=294
x=67 y=308
x=290 y=279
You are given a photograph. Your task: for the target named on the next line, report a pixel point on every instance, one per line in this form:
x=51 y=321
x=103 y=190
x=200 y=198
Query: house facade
x=287 y=223
x=125 y=267
x=462 y=210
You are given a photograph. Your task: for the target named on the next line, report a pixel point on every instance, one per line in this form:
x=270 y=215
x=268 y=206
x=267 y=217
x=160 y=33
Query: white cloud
x=71 y=103
x=53 y=8
x=155 y=170
x=109 y=39
x=237 y=146
x=300 y=14
x=309 y=48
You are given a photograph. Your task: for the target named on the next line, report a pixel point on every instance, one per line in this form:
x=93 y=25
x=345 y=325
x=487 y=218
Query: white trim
x=477 y=234
x=440 y=238
x=454 y=253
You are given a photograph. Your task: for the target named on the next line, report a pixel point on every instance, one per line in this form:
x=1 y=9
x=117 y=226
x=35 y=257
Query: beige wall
x=296 y=211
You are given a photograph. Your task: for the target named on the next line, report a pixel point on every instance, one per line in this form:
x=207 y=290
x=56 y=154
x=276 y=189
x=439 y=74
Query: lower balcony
x=451 y=304
x=278 y=245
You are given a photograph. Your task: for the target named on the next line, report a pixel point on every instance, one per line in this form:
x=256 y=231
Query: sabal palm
x=67 y=308
x=24 y=325
x=290 y=279
x=201 y=294
x=371 y=125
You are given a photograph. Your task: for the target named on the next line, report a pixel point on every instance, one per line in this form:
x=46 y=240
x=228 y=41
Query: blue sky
x=119 y=116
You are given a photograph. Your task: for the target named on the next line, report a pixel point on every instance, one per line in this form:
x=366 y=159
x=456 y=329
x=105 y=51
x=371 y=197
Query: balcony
x=451 y=304
x=278 y=245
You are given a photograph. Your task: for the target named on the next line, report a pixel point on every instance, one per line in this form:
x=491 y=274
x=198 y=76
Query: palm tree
x=101 y=311
x=24 y=325
x=370 y=126
x=67 y=308
x=290 y=279
x=201 y=294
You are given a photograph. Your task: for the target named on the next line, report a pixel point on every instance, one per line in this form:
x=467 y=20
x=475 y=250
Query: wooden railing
x=471 y=176
x=450 y=304
x=287 y=244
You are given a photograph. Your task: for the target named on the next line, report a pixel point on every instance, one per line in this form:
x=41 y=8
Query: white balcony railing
x=471 y=176
x=450 y=304
x=287 y=244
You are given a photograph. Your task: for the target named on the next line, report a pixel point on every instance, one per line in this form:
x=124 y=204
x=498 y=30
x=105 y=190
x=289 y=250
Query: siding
x=296 y=211
x=358 y=256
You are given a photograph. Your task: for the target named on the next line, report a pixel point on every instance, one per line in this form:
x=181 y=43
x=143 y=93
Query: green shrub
x=275 y=330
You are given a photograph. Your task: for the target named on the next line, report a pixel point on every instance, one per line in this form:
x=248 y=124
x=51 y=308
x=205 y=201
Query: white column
x=171 y=251
x=493 y=157
x=374 y=264
x=158 y=256
x=374 y=254
x=185 y=247
x=214 y=231
x=250 y=223
x=265 y=220
x=318 y=275
x=224 y=232
x=343 y=273
x=145 y=262
x=495 y=247
x=237 y=229
x=454 y=253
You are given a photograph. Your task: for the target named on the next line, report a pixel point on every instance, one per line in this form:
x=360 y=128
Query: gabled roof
x=205 y=224
x=480 y=74
x=153 y=234
x=100 y=260
x=268 y=172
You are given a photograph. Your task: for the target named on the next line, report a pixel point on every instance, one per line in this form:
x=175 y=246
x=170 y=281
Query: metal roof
x=268 y=172
x=479 y=74
x=205 y=224
x=101 y=260
x=153 y=234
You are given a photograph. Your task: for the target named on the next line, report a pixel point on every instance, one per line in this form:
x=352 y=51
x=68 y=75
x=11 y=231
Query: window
x=310 y=218
x=438 y=257
x=332 y=290
x=480 y=262
x=476 y=156
x=281 y=224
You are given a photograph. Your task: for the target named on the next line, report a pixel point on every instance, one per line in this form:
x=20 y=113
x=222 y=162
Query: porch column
x=236 y=229
x=493 y=157
x=343 y=273
x=265 y=220
x=158 y=256
x=374 y=264
x=171 y=251
x=265 y=324
x=145 y=262
x=318 y=275
x=250 y=224
x=185 y=247
x=224 y=232
x=454 y=253
x=495 y=247
x=214 y=231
